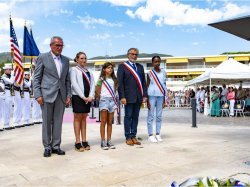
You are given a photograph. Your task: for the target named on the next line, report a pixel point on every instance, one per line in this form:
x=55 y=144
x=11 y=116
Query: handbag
x=225 y=106
x=238 y=106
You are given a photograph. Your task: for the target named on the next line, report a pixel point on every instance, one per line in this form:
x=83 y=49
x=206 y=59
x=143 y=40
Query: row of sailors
x=26 y=109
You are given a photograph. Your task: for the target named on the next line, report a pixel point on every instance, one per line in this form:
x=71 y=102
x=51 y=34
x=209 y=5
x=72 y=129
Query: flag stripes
x=17 y=59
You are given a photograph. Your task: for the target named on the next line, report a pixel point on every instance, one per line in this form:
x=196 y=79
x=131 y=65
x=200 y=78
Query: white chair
x=224 y=109
x=239 y=108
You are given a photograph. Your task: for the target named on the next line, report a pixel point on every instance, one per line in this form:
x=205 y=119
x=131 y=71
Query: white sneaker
x=152 y=139
x=158 y=137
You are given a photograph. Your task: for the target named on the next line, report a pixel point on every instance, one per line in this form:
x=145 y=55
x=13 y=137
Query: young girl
x=83 y=90
x=156 y=83
x=105 y=92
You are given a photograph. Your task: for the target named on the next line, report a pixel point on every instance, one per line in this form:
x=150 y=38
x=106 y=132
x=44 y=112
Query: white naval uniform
x=36 y=110
x=1 y=103
x=26 y=102
x=7 y=100
x=17 y=114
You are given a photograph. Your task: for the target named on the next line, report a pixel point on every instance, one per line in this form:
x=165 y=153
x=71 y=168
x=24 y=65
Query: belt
x=16 y=88
x=7 y=86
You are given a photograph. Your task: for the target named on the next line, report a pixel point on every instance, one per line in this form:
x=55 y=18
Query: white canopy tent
x=229 y=72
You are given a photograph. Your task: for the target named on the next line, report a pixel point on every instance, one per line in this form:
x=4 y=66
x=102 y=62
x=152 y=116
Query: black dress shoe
x=58 y=151
x=1 y=129
x=47 y=153
x=18 y=126
x=8 y=128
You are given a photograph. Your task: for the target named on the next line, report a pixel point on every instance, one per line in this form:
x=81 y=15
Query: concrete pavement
x=218 y=147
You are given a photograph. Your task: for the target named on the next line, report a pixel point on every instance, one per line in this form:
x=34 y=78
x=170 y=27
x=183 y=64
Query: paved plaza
x=219 y=147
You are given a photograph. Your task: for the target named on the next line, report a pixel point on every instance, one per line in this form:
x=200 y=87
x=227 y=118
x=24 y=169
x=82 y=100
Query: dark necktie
x=133 y=64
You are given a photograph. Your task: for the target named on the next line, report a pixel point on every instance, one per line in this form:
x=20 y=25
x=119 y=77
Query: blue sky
x=175 y=27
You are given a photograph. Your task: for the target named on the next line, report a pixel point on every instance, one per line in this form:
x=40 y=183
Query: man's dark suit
x=128 y=88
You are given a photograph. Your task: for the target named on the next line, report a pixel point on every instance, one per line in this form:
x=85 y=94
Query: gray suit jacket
x=46 y=81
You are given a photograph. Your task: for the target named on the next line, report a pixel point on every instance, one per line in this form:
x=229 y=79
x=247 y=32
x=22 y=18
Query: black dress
x=78 y=104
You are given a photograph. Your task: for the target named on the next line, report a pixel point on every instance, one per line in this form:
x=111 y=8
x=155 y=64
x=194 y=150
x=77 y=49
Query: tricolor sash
x=112 y=93
x=159 y=85
x=135 y=75
x=157 y=81
x=84 y=74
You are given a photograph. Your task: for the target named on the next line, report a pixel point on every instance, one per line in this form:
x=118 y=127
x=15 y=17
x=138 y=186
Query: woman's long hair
x=103 y=76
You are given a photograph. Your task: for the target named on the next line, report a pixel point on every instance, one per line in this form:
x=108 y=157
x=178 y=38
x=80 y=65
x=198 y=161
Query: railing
x=186 y=67
x=175 y=79
x=167 y=67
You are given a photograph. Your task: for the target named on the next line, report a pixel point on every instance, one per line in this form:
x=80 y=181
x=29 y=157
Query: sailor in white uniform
x=1 y=101
x=26 y=109
x=36 y=108
x=17 y=114
x=8 y=80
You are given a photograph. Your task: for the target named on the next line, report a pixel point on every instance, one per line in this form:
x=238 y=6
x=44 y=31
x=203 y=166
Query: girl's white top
x=153 y=89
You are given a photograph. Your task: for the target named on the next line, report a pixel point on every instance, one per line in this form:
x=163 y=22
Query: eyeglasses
x=83 y=58
x=58 y=45
x=135 y=54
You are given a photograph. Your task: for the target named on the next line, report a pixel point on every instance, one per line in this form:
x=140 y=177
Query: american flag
x=17 y=59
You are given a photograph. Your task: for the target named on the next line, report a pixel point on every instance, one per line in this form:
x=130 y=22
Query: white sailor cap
x=26 y=73
x=7 y=66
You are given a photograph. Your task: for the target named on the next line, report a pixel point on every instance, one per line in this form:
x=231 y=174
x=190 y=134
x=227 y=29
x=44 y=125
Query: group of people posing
x=56 y=85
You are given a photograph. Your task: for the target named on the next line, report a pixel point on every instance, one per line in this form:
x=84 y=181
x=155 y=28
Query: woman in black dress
x=83 y=88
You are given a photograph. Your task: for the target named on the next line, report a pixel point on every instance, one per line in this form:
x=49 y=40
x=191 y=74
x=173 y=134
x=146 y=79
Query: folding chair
x=224 y=108
x=239 y=108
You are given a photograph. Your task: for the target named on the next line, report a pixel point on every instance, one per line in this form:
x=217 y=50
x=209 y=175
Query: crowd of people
x=180 y=98
x=222 y=97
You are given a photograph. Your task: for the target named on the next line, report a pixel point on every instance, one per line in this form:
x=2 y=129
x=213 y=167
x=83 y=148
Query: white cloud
x=19 y=22
x=195 y=43
x=4 y=41
x=128 y=3
x=130 y=13
x=190 y=30
x=90 y=22
x=26 y=10
x=4 y=8
x=232 y=10
x=63 y=12
x=46 y=41
x=104 y=36
x=120 y=36
x=168 y=12
x=68 y=46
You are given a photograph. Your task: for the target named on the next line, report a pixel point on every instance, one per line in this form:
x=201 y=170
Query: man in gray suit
x=52 y=90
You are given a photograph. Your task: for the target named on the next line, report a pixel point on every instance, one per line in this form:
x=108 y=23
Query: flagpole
x=31 y=71
x=31 y=60
x=11 y=52
x=23 y=41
